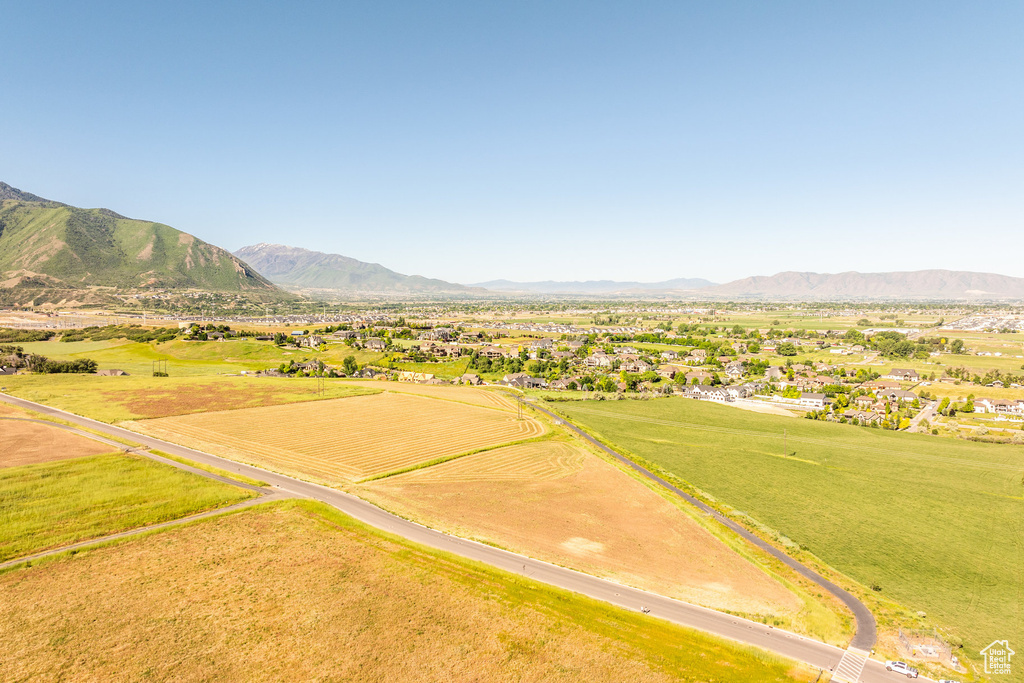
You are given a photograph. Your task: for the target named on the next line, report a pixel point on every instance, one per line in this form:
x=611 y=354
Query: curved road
x=782 y=642
x=867 y=630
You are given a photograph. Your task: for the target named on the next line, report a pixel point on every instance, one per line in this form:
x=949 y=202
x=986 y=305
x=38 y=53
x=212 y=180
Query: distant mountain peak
x=9 y=192
x=53 y=252
x=307 y=269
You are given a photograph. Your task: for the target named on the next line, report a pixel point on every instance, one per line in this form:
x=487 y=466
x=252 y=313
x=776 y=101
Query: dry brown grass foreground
x=26 y=443
x=553 y=501
x=346 y=439
x=292 y=592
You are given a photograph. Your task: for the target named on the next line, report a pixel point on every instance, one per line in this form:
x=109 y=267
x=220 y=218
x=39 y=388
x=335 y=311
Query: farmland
x=116 y=399
x=26 y=443
x=347 y=439
x=934 y=525
x=297 y=591
x=517 y=497
x=57 y=503
x=190 y=358
x=475 y=397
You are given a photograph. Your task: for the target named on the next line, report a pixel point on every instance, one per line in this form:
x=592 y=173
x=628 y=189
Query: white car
x=901 y=668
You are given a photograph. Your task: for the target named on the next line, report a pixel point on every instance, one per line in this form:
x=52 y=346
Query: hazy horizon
x=526 y=142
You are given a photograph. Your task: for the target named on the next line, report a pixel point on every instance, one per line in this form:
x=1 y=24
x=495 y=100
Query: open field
x=296 y=591
x=485 y=398
x=519 y=497
x=116 y=399
x=347 y=439
x=935 y=524
x=25 y=443
x=57 y=503
x=190 y=358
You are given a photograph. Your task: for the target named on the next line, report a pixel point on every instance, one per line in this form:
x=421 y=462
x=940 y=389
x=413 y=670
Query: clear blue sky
x=537 y=140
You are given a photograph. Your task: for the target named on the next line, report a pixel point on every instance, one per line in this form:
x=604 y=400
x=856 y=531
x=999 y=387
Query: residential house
x=375 y=344
x=863 y=416
x=523 y=381
x=635 y=366
x=598 y=360
x=812 y=400
x=493 y=352
x=901 y=375
x=471 y=379
x=701 y=376
x=419 y=377
x=734 y=369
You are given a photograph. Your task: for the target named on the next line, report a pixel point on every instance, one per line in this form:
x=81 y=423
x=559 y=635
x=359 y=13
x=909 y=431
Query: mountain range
x=57 y=253
x=297 y=268
x=53 y=252
x=904 y=285
x=594 y=286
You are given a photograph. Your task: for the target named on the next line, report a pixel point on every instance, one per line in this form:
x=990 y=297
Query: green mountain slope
x=302 y=268
x=46 y=245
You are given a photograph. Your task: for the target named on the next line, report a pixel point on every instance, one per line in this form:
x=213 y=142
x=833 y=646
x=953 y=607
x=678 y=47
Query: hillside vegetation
x=54 y=252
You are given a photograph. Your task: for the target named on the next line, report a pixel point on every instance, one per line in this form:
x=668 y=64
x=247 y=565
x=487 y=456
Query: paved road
x=866 y=628
x=275 y=495
x=791 y=645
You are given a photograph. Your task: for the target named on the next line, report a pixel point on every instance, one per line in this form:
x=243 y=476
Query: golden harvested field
x=553 y=501
x=116 y=399
x=296 y=592
x=471 y=395
x=346 y=439
x=538 y=461
x=26 y=443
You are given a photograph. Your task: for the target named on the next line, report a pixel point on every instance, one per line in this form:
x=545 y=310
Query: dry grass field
x=346 y=439
x=553 y=501
x=26 y=443
x=295 y=592
x=135 y=397
x=471 y=395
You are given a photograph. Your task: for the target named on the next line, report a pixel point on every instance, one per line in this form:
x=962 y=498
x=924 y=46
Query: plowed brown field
x=346 y=439
x=26 y=443
x=556 y=502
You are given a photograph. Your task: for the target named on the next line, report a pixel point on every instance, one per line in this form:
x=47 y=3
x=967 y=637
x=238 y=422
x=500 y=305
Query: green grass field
x=53 y=504
x=936 y=524
x=190 y=358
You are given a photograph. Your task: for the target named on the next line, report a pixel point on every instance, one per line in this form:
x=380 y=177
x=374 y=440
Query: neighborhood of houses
x=610 y=363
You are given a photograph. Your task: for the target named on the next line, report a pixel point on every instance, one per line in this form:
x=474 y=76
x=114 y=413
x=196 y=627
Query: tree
x=349 y=364
x=957 y=346
x=787 y=349
x=854 y=336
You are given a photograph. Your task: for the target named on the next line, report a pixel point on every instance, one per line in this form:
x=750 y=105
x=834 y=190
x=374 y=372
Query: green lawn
x=58 y=503
x=938 y=525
